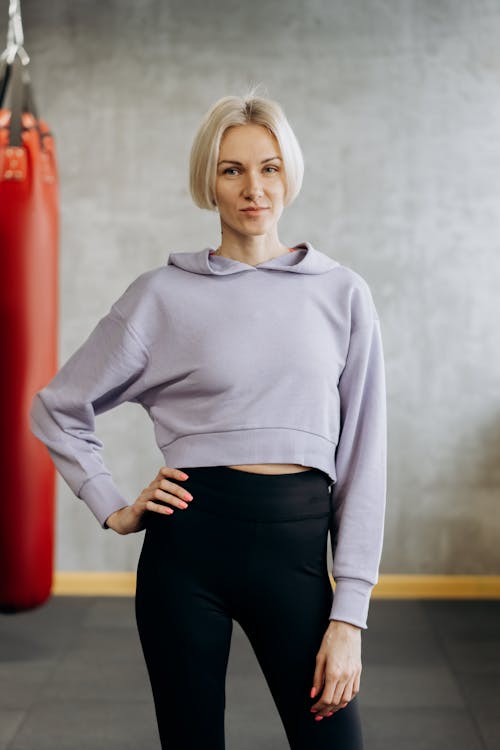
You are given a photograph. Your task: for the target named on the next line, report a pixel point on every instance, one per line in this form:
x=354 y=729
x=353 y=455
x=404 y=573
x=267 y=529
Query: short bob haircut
x=226 y=113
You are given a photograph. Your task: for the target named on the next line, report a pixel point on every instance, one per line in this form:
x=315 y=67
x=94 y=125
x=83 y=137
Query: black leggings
x=251 y=548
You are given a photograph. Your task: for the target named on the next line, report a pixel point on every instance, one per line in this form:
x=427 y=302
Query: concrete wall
x=397 y=107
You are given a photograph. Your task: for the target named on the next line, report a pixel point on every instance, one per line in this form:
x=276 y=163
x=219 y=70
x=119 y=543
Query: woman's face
x=250 y=173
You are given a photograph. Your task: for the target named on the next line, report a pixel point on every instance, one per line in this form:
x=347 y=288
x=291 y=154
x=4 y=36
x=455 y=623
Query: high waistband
x=259 y=497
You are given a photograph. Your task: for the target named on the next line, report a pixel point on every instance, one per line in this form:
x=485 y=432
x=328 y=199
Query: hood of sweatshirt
x=302 y=258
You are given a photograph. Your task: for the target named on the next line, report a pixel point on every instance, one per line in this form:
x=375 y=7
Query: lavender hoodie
x=281 y=362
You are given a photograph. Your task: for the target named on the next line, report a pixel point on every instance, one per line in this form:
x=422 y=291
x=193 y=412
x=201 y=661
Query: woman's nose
x=253 y=186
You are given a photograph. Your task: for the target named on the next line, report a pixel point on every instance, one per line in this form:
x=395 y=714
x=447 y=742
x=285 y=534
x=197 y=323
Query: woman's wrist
x=112 y=520
x=341 y=623
x=108 y=523
x=126 y=520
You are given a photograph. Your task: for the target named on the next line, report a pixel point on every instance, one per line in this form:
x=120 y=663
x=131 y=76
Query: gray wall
x=397 y=107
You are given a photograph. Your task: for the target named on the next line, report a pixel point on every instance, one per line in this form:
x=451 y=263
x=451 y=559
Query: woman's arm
x=359 y=494
x=359 y=506
x=107 y=370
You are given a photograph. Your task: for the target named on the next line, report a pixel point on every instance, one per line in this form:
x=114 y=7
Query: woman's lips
x=254 y=210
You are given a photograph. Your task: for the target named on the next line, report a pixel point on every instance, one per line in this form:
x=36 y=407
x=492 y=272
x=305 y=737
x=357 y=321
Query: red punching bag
x=29 y=231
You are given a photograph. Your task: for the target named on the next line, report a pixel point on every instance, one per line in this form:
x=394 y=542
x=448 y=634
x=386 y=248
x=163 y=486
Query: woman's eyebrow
x=233 y=161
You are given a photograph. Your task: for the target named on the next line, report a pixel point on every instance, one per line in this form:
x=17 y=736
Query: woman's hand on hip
x=163 y=489
x=338 y=668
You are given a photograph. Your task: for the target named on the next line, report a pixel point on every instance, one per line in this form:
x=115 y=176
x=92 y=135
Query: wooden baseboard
x=394 y=586
x=390 y=586
x=93 y=583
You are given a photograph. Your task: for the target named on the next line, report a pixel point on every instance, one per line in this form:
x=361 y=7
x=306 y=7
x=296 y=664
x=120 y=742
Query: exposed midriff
x=270 y=468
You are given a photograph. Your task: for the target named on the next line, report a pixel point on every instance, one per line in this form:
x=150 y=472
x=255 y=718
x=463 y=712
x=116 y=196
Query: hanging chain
x=15 y=36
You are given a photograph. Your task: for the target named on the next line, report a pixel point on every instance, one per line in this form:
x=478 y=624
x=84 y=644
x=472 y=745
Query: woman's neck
x=252 y=255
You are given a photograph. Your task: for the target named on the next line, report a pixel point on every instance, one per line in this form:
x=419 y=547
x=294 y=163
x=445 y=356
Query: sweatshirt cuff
x=102 y=496
x=351 y=600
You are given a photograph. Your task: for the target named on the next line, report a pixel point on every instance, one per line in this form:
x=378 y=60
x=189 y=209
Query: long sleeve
x=359 y=494
x=107 y=370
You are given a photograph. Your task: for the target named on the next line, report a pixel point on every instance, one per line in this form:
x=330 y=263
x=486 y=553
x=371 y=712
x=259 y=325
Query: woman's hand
x=129 y=519
x=338 y=665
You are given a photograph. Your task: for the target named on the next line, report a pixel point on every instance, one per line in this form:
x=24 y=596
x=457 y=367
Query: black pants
x=251 y=548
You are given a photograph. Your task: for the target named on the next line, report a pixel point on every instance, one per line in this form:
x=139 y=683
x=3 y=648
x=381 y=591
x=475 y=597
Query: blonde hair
x=239 y=110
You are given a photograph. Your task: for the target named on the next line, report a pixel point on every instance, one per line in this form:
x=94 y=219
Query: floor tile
x=490 y=730
x=21 y=683
x=473 y=655
x=403 y=648
x=409 y=687
x=104 y=644
x=43 y=632
x=414 y=729
x=9 y=724
x=111 y=612
x=88 y=725
x=398 y=615
x=482 y=693
x=72 y=675
x=98 y=679
x=465 y=618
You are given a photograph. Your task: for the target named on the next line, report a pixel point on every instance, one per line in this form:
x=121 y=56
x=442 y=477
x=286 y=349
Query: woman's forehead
x=250 y=137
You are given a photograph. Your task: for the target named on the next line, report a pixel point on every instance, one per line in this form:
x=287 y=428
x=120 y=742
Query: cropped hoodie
x=280 y=362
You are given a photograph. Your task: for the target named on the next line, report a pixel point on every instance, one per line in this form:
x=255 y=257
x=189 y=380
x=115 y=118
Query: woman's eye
x=229 y=170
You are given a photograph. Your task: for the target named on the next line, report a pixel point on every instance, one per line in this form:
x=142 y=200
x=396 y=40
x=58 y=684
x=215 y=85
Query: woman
x=261 y=367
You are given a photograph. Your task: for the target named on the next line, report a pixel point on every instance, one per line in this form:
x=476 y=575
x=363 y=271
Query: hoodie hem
x=252 y=446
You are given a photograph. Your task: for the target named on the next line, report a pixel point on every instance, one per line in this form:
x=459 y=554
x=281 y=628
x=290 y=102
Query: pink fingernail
x=318 y=718
x=313 y=692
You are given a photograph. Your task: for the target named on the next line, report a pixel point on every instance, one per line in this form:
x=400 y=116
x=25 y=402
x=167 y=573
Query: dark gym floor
x=72 y=677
